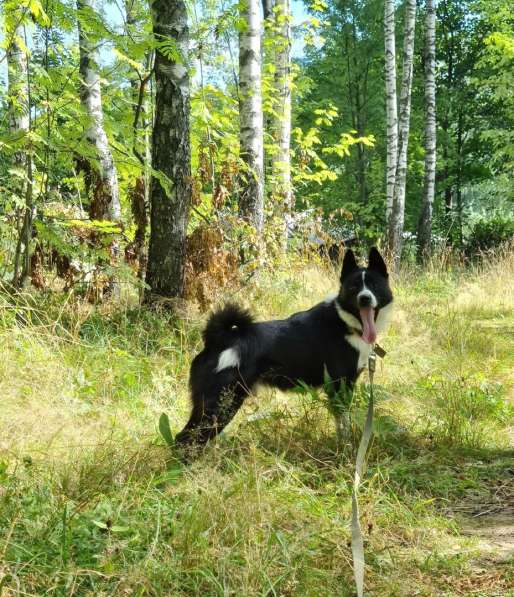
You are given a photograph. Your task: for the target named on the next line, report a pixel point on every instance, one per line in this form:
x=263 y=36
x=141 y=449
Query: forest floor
x=92 y=504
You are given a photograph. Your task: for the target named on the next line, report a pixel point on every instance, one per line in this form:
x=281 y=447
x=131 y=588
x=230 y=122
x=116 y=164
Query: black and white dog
x=334 y=337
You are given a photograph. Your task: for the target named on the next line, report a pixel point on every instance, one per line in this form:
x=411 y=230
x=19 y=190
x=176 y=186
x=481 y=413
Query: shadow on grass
x=410 y=463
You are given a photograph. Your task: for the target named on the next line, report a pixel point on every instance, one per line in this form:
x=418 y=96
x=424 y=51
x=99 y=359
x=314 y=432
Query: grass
x=92 y=504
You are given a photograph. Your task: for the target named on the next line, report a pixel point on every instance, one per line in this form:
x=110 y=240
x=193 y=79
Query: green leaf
x=164 y=428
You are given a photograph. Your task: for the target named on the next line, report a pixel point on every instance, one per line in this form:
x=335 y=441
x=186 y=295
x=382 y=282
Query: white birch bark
x=18 y=93
x=391 y=103
x=251 y=183
x=396 y=220
x=425 y=221
x=105 y=203
x=140 y=193
x=281 y=165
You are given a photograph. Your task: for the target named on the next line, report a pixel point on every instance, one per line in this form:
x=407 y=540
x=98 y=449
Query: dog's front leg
x=339 y=393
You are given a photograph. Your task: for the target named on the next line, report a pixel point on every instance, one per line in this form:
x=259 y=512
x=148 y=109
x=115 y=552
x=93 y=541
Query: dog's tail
x=226 y=325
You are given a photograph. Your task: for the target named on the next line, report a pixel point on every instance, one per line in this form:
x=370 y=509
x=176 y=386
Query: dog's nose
x=364 y=300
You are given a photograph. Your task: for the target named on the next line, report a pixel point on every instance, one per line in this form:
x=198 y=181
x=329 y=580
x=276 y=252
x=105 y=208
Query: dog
x=333 y=338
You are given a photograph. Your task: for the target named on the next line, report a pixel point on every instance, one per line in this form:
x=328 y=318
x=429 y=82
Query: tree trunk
x=18 y=91
x=171 y=155
x=281 y=166
x=354 y=105
x=398 y=212
x=19 y=126
x=391 y=104
x=360 y=101
x=267 y=8
x=251 y=183
x=425 y=221
x=105 y=200
x=449 y=46
x=458 y=193
x=139 y=194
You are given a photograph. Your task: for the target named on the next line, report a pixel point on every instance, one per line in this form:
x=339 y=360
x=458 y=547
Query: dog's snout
x=365 y=300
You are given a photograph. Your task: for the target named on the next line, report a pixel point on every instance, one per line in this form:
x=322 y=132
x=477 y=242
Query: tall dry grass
x=92 y=504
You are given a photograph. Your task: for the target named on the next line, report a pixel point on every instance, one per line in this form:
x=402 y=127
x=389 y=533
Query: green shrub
x=490 y=233
x=464 y=410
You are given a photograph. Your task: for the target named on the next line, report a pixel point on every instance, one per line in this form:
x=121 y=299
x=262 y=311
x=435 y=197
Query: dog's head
x=365 y=297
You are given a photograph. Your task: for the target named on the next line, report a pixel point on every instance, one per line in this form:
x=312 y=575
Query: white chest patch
x=228 y=358
x=350 y=320
x=355 y=340
x=363 y=348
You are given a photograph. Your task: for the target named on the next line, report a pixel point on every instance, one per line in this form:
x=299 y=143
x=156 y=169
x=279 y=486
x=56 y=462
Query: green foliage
x=164 y=428
x=473 y=111
x=465 y=410
x=494 y=83
x=338 y=136
x=57 y=137
x=308 y=150
x=490 y=234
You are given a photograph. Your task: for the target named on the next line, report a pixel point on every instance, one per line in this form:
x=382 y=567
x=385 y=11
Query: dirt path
x=487 y=515
x=495 y=533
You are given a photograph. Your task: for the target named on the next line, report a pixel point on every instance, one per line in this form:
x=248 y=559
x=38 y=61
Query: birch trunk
x=391 y=103
x=281 y=165
x=425 y=221
x=251 y=183
x=19 y=125
x=396 y=220
x=139 y=194
x=105 y=201
x=267 y=8
x=18 y=91
x=171 y=155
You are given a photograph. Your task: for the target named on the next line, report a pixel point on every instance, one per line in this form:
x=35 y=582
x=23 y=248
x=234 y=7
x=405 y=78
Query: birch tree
x=391 y=103
x=396 y=220
x=251 y=180
x=139 y=195
x=267 y=8
x=281 y=164
x=425 y=221
x=19 y=127
x=105 y=198
x=171 y=152
x=17 y=63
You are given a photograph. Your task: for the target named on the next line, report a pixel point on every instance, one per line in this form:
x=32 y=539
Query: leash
x=357 y=538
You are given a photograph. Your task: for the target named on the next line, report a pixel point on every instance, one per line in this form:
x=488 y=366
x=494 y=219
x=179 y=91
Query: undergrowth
x=92 y=502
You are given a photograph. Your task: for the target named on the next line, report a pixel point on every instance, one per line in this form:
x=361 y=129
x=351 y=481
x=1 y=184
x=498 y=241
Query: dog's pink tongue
x=369 y=331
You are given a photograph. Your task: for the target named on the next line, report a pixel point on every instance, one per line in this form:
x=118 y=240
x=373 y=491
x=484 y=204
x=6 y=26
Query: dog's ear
x=349 y=264
x=376 y=262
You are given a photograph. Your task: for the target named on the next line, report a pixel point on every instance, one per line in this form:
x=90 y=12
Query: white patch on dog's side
x=384 y=318
x=367 y=292
x=350 y=320
x=228 y=358
x=363 y=348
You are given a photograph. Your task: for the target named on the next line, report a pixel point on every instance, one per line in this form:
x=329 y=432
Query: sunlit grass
x=91 y=504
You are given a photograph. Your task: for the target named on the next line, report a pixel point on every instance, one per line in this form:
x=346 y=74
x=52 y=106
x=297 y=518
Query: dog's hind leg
x=212 y=412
